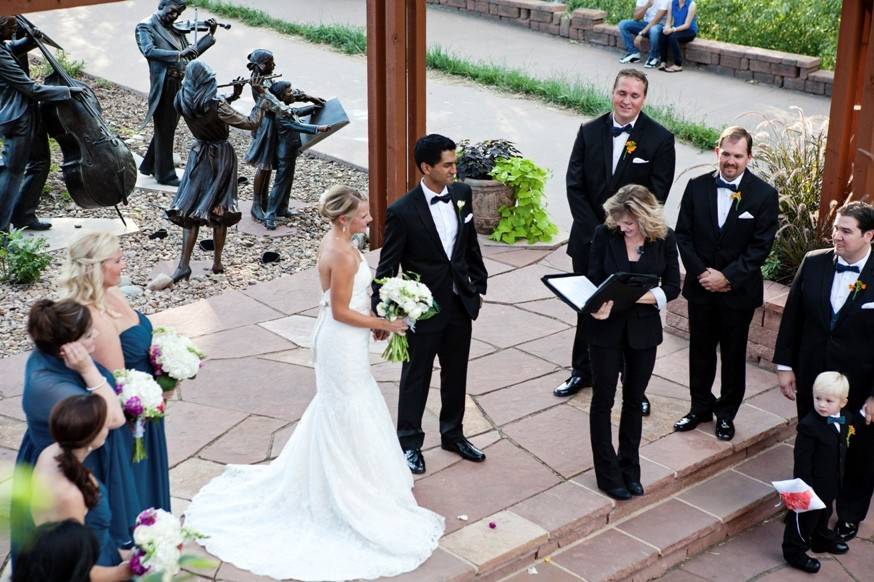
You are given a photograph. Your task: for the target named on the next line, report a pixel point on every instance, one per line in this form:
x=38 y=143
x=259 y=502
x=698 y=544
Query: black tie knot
x=617 y=131
x=840 y=268
x=720 y=183
x=441 y=198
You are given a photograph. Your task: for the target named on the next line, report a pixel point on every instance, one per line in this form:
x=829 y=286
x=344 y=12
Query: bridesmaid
x=90 y=276
x=59 y=367
x=78 y=425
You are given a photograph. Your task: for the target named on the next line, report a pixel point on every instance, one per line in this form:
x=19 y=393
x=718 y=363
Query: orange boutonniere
x=856 y=287
x=630 y=146
x=736 y=196
x=850 y=432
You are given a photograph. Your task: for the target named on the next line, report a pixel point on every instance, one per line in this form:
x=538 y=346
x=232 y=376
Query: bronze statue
x=19 y=99
x=207 y=194
x=276 y=142
x=167 y=50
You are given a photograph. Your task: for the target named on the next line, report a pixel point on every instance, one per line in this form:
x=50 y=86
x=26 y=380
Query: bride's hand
x=397 y=326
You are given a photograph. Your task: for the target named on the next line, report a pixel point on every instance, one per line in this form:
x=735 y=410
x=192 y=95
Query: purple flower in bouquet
x=147 y=517
x=133 y=407
x=155 y=359
x=136 y=565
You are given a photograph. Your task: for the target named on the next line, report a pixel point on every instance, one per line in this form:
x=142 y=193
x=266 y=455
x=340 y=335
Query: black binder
x=624 y=289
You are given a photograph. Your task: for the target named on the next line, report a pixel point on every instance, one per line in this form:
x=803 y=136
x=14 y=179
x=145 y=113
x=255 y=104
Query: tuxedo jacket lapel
x=625 y=158
x=607 y=148
x=713 y=206
x=852 y=305
x=424 y=213
x=825 y=292
x=620 y=255
x=734 y=208
x=455 y=200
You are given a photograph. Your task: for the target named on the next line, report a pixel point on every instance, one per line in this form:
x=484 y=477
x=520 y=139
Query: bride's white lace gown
x=337 y=503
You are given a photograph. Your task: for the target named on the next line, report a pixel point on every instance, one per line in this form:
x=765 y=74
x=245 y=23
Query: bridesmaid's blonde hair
x=339 y=201
x=81 y=276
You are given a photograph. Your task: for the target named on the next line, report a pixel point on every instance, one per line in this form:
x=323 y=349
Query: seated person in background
x=681 y=25
x=820 y=448
x=57 y=551
x=647 y=22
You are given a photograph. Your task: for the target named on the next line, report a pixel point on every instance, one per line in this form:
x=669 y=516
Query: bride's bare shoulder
x=335 y=256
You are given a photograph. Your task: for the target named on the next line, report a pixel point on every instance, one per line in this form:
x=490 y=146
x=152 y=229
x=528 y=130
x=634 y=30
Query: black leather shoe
x=634 y=487
x=464 y=448
x=846 y=530
x=692 y=420
x=724 y=429
x=645 y=406
x=571 y=386
x=836 y=547
x=619 y=493
x=804 y=563
x=415 y=461
x=35 y=225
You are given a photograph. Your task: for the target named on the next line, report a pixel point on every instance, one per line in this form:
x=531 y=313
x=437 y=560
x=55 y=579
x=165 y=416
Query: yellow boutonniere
x=736 y=196
x=850 y=432
x=630 y=146
x=856 y=287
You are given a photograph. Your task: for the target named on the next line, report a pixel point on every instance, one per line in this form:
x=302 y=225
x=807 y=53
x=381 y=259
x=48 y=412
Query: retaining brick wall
x=788 y=70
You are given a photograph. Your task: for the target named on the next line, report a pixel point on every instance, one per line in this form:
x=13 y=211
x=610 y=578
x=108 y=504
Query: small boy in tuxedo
x=819 y=458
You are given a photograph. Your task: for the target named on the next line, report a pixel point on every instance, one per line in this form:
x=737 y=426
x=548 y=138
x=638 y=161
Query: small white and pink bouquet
x=142 y=400
x=174 y=357
x=404 y=297
x=158 y=541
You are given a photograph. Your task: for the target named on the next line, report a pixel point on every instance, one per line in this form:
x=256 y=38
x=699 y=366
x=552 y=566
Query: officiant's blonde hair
x=638 y=202
x=81 y=276
x=832 y=384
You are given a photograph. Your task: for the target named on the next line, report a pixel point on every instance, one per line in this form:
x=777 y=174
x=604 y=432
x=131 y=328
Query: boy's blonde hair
x=832 y=384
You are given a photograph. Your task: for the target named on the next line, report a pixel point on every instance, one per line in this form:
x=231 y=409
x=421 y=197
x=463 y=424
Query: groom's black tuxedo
x=457 y=282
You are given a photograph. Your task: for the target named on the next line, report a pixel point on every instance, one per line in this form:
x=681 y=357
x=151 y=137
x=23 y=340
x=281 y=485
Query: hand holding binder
x=623 y=289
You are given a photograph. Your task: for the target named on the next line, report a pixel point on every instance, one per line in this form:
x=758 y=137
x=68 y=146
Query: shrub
x=74 y=68
x=528 y=219
x=22 y=259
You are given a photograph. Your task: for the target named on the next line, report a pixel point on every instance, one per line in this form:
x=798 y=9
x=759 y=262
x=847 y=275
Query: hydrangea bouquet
x=158 y=540
x=141 y=399
x=404 y=297
x=174 y=357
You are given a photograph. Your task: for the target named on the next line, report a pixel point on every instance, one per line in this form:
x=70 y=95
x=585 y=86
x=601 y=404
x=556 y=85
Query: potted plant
x=526 y=218
x=475 y=164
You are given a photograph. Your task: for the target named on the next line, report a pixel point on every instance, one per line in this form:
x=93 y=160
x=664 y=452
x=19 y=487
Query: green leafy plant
x=528 y=219
x=791 y=157
x=478 y=160
x=74 y=68
x=22 y=259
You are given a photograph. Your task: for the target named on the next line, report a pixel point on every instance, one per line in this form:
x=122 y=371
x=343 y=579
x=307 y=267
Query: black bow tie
x=617 y=131
x=840 y=268
x=720 y=183
x=444 y=198
x=836 y=419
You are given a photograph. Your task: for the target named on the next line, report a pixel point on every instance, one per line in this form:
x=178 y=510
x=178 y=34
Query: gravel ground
x=123 y=110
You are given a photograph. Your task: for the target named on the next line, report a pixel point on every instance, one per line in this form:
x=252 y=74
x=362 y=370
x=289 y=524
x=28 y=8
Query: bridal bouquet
x=404 y=297
x=174 y=357
x=158 y=540
x=141 y=399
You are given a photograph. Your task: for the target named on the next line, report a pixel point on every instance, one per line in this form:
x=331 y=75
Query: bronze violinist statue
x=167 y=50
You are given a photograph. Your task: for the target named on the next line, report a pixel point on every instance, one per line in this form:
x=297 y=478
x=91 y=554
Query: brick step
x=712 y=489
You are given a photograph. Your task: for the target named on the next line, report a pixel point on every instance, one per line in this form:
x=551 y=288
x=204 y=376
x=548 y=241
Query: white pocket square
x=869 y=305
x=639 y=161
x=468 y=218
x=746 y=216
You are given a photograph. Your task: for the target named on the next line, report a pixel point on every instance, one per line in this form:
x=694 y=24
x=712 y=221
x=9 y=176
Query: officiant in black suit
x=622 y=147
x=168 y=52
x=634 y=239
x=725 y=231
x=429 y=231
x=827 y=324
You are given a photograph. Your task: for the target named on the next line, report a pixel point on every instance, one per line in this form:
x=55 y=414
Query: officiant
x=633 y=239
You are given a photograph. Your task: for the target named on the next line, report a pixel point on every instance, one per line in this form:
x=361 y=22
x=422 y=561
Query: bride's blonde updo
x=81 y=276
x=339 y=201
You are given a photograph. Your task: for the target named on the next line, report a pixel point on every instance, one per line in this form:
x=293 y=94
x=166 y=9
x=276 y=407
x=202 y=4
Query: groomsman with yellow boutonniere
x=827 y=324
x=624 y=146
x=725 y=230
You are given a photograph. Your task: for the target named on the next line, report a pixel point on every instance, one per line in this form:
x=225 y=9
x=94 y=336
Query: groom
x=429 y=231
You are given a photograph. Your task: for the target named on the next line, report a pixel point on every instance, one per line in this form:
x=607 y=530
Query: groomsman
x=725 y=230
x=827 y=325
x=622 y=147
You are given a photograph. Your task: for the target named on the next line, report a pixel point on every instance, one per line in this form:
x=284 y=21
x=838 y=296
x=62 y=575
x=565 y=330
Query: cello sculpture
x=98 y=168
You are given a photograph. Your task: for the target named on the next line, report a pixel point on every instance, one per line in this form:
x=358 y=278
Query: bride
x=337 y=504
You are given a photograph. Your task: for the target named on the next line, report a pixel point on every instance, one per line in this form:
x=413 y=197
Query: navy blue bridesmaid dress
x=152 y=474
x=99 y=520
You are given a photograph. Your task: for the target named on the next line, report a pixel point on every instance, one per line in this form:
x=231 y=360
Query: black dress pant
x=580 y=359
x=158 y=160
x=804 y=529
x=35 y=175
x=452 y=346
x=712 y=325
x=612 y=470
x=857 y=485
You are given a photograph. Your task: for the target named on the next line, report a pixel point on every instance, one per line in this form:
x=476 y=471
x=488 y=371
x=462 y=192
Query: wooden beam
x=376 y=114
x=24 y=6
x=863 y=139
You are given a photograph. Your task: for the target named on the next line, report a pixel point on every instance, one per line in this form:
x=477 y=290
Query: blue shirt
x=679 y=15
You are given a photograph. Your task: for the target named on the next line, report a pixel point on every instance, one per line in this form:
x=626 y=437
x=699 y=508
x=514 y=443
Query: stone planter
x=488 y=197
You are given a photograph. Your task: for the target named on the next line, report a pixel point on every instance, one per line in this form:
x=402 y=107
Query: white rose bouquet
x=158 y=540
x=174 y=357
x=404 y=297
x=141 y=399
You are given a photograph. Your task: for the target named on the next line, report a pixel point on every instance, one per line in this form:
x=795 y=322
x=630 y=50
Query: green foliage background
x=807 y=27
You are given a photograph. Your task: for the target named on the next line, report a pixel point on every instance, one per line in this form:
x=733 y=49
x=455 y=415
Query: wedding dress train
x=337 y=503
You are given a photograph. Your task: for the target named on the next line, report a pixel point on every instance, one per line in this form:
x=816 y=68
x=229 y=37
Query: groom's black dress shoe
x=571 y=386
x=692 y=420
x=415 y=461
x=645 y=407
x=619 y=493
x=804 y=563
x=724 y=429
x=847 y=530
x=464 y=448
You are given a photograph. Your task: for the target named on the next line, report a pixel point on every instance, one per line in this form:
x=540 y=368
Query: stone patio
x=537 y=485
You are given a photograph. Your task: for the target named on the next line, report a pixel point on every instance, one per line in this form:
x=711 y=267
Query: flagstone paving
x=537 y=486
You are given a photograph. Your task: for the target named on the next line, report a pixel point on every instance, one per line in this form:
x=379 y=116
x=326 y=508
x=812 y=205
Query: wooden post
x=395 y=101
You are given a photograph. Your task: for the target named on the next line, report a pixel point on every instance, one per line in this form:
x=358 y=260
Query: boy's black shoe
x=804 y=563
x=836 y=547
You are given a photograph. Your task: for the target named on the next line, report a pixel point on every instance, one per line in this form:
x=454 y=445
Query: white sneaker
x=652 y=63
x=630 y=58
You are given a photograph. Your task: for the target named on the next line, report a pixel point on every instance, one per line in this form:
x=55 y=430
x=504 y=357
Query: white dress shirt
x=723 y=199
x=444 y=217
x=619 y=142
x=840 y=290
